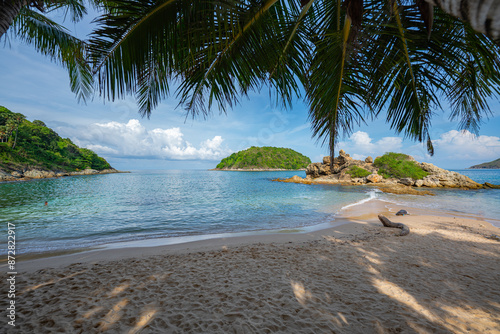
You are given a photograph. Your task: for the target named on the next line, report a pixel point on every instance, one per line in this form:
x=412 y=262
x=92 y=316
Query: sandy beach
x=358 y=277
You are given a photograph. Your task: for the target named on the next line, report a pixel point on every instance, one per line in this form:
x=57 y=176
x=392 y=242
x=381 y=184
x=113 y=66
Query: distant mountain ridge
x=31 y=149
x=495 y=164
x=264 y=158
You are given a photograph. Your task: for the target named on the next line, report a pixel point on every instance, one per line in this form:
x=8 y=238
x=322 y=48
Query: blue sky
x=31 y=84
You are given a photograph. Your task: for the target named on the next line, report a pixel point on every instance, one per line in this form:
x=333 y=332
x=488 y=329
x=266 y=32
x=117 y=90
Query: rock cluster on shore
x=28 y=174
x=321 y=173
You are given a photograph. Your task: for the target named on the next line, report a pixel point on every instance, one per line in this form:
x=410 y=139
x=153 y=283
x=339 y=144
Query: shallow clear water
x=92 y=210
x=483 y=202
x=86 y=211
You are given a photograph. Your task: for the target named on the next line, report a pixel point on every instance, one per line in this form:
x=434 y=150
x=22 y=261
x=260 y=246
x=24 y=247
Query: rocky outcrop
x=39 y=174
x=323 y=173
x=492 y=186
x=374 y=178
x=28 y=174
x=444 y=178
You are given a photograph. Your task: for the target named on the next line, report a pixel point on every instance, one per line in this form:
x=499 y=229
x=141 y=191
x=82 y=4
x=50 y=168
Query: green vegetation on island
x=357 y=172
x=495 y=164
x=25 y=144
x=265 y=158
x=399 y=165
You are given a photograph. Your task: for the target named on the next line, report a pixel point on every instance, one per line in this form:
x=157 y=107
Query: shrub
x=398 y=165
x=356 y=171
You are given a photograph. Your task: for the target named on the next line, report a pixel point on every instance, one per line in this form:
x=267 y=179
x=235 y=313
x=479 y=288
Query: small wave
x=372 y=194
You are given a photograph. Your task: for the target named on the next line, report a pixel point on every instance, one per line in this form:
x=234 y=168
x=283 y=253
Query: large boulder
x=369 y=160
x=313 y=169
x=419 y=183
x=431 y=182
x=407 y=181
x=431 y=169
x=444 y=178
x=326 y=160
x=343 y=158
x=374 y=178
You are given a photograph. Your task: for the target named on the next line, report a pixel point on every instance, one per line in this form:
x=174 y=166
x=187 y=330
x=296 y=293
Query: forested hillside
x=25 y=144
x=265 y=158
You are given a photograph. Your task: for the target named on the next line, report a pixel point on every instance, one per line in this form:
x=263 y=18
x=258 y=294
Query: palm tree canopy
x=349 y=59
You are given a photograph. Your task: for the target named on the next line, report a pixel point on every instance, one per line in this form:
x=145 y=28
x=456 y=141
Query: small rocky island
x=392 y=172
x=264 y=159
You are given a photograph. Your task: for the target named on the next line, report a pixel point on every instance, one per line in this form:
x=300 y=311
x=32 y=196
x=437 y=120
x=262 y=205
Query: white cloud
x=361 y=145
x=102 y=149
x=463 y=145
x=134 y=140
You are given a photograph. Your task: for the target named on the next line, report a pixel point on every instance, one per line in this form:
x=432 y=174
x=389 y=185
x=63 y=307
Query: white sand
x=357 y=278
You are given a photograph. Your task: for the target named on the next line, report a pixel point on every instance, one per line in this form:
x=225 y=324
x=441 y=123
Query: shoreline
x=338 y=218
x=44 y=174
x=346 y=221
x=358 y=277
x=258 y=170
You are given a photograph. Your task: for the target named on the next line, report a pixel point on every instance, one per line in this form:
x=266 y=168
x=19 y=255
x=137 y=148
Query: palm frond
x=231 y=62
x=132 y=42
x=335 y=88
x=292 y=35
x=54 y=41
x=476 y=78
x=401 y=80
x=75 y=8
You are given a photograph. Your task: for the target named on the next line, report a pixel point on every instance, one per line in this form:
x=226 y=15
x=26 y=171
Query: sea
x=147 y=208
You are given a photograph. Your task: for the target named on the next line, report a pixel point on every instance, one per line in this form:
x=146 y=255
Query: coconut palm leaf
x=335 y=86
x=475 y=81
x=242 y=57
x=437 y=65
x=74 y=8
x=54 y=41
x=293 y=34
x=132 y=49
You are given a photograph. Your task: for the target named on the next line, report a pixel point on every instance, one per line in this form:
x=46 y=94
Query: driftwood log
x=405 y=230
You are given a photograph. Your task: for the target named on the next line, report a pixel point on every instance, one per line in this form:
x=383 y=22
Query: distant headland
x=31 y=150
x=495 y=164
x=264 y=159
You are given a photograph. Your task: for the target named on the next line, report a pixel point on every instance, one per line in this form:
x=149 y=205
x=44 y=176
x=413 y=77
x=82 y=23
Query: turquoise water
x=85 y=211
x=483 y=202
x=482 y=175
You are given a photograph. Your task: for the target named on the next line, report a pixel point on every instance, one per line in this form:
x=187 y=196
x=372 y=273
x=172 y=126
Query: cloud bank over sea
x=132 y=139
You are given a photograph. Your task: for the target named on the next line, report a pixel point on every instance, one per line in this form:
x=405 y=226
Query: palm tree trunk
x=483 y=15
x=15 y=139
x=333 y=136
x=8 y=12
